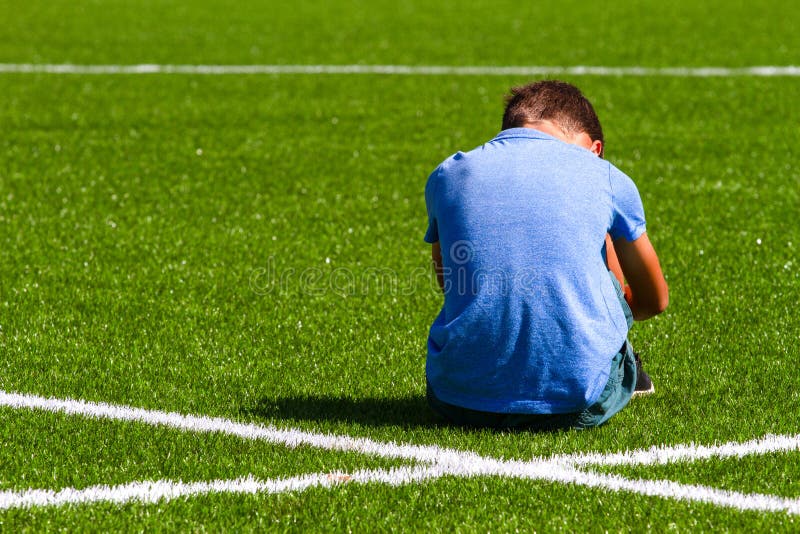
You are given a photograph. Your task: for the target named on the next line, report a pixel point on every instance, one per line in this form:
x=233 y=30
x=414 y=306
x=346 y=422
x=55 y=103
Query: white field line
x=687 y=453
x=668 y=489
x=413 y=70
x=421 y=453
x=201 y=424
x=436 y=462
x=149 y=492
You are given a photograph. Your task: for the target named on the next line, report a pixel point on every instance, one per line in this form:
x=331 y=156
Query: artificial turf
x=251 y=247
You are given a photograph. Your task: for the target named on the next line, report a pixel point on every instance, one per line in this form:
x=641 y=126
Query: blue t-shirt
x=531 y=319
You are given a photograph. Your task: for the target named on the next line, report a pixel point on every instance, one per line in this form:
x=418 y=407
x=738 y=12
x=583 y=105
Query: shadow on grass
x=404 y=412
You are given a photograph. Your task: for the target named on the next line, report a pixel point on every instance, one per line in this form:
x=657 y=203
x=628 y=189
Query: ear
x=597 y=148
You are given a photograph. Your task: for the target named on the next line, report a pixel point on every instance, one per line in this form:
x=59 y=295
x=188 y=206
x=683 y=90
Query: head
x=558 y=109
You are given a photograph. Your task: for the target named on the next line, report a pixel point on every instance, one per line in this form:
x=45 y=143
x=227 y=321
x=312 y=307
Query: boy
x=527 y=231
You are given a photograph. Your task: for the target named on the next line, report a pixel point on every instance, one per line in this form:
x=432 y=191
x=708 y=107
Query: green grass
x=771 y=475
x=139 y=215
x=51 y=451
x=449 y=504
x=503 y=32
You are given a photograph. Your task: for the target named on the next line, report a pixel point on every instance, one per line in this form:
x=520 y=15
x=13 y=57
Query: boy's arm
x=436 y=256
x=648 y=294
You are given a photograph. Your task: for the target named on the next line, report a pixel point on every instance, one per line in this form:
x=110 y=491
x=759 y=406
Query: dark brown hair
x=559 y=102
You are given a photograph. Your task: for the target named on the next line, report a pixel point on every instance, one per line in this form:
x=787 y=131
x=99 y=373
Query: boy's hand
x=628 y=293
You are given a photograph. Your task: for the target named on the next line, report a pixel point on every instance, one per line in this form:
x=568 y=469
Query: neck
x=580 y=139
x=550 y=128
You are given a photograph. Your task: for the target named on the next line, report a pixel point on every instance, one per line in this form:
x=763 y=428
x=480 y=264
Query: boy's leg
x=626 y=378
x=618 y=391
x=643 y=383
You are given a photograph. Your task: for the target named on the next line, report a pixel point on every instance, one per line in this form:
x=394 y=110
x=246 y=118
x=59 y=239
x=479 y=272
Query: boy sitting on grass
x=532 y=233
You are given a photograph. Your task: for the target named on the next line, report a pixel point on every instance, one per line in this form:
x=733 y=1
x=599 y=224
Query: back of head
x=555 y=101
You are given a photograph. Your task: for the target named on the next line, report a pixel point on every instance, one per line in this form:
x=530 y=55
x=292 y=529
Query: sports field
x=214 y=293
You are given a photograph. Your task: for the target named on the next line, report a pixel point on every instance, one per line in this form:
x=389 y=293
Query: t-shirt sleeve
x=432 y=235
x=628 y=213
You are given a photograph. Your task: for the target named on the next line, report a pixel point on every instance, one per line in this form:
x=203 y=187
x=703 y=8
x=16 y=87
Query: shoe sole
x=642 y=392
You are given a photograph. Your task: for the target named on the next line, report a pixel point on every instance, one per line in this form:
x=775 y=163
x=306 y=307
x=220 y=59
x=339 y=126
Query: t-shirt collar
x=528 y=133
